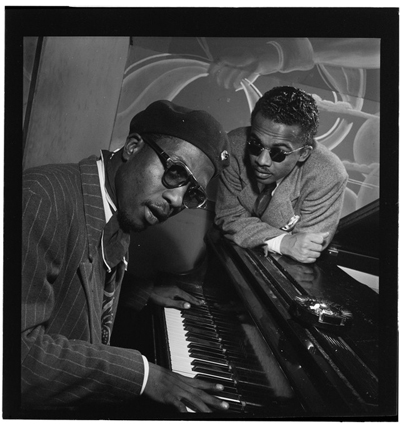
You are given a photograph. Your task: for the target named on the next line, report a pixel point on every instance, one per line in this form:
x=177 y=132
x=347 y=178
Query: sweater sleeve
x=321 y=206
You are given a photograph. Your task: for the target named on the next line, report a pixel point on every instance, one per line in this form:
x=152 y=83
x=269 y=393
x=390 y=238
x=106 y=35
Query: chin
x=129 y=225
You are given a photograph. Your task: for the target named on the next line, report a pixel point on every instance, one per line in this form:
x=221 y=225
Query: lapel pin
x=292 y=222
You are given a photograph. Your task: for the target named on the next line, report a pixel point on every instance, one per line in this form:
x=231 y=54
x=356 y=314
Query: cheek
x=285 y=167
x=137 y=184
x=128 y=185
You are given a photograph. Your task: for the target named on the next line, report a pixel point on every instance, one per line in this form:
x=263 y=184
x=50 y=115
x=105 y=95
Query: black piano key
x=206 y=349
x=228 y=336
x=203 y=336
x=213 y=371
x=198 y=317
x=204 y=342
x=210 y=366
x=198 y=351
x=205 y=332
x=198 y=309
x=251 y=383
x=229 y=397
x=223 y=379
x=218 y=360
x=201 y=324
x=200 y=321
x=202 y=362
x=208 y=314
x=227 y=383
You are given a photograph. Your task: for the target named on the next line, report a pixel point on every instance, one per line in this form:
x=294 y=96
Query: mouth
x=262 y=175
x=154 y=214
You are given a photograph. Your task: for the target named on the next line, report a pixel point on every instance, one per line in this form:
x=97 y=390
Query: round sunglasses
x=178 y=174
x=276 y=154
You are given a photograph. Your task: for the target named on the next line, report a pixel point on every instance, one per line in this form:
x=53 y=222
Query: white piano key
x=179 y=351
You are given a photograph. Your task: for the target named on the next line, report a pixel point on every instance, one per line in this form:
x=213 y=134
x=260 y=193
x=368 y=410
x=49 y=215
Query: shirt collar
x=109 y=207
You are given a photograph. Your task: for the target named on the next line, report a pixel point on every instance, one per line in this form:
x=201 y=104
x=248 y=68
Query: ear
x=305 y=153
x=133 y=144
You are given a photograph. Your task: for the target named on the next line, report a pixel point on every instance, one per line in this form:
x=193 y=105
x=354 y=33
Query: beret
x=197 y=127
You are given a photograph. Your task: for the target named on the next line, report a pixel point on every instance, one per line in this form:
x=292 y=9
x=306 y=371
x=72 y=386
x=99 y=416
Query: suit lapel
x=249 y=193
x=282 y=206
x=94 y=220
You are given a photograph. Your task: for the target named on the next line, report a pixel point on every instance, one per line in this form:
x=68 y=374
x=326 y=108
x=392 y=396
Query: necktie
x=116 y=244
x=263 y=199
x=107 y=315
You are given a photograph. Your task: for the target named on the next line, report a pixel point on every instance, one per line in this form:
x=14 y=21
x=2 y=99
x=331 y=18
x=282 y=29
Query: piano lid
x=356 y=242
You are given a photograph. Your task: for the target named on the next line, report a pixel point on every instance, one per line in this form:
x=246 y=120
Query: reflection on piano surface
x=245 y=336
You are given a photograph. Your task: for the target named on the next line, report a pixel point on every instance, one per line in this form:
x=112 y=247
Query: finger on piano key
x=229 y=386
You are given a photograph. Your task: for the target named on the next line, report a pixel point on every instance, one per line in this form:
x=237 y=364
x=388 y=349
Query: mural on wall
x=226 y=76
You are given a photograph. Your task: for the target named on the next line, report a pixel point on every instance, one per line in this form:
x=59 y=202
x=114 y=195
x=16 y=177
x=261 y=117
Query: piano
x=251 y=334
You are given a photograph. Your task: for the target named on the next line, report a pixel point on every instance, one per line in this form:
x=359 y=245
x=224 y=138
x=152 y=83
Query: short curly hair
x=290 y=106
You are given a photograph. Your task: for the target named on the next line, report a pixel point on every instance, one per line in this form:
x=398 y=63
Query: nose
x=264 y=158
x=174 y=196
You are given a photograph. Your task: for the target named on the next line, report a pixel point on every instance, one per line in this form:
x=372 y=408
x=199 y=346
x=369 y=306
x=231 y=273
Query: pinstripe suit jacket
x=64 y=362
x=313 y=190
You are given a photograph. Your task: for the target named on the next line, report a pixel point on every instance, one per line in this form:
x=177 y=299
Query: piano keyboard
x=209 y=342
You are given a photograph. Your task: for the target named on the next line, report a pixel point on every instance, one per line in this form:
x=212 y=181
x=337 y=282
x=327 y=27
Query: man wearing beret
x=77 y=220
x=283 y=191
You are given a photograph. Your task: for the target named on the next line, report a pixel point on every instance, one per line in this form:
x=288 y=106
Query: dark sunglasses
x=178 y=174
x=276 y=154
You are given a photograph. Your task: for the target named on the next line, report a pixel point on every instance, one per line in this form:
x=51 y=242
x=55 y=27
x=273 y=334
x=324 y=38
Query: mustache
x=264 y=169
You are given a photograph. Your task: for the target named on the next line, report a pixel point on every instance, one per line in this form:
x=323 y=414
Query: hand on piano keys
x=182 y=392
x=173 y=297
x=200 y=350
